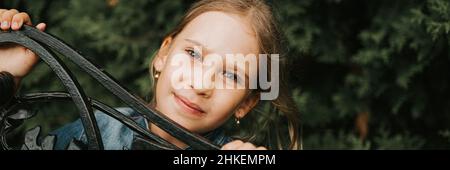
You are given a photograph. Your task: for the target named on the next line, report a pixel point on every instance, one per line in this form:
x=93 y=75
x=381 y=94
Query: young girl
x=218 y=27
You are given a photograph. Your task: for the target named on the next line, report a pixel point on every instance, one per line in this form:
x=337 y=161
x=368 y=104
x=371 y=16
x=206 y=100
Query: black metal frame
x=37 y=41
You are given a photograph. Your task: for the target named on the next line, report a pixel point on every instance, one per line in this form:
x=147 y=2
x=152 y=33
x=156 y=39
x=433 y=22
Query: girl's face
x=202 y=109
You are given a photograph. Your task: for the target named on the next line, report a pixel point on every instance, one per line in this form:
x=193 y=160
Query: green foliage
x=387 y=58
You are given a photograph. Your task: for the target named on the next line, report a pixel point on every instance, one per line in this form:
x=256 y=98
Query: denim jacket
x=115 y=135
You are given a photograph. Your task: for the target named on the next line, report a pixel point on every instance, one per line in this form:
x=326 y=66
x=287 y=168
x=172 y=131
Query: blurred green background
x=366 y=74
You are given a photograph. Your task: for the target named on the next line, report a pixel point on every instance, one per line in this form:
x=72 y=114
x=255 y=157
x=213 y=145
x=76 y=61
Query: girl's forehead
x=221 y=33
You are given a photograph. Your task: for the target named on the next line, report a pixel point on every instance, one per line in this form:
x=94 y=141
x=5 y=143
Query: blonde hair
x=269 y=38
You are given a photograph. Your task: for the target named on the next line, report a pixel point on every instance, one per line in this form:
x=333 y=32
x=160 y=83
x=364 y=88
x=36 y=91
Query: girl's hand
x=239 y=145
x=16 y=59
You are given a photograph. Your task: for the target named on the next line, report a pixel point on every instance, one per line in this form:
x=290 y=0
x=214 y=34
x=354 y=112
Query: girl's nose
x=202 y=90
x=203 y=85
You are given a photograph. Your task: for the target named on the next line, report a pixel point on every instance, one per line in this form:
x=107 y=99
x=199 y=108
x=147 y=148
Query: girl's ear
x=161 y=57
x=247 y=105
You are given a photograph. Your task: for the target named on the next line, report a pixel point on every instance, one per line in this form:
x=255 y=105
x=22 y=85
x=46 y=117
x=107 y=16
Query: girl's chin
x=190 y=124
x=185 y=121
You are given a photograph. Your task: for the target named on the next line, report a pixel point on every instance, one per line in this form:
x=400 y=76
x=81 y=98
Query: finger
x=261 y=148
x=246 y=146
x=5 y=10
x=41 y=26
x=1 y=11
x=6 y=18
x=232 y=145
x=19 y=19
x=1 y=16
x=228 y=146
x=14 y=11
x=26 y=18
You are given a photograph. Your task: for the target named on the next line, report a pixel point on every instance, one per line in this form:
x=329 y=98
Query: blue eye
x=194 y=54
x=232 y=76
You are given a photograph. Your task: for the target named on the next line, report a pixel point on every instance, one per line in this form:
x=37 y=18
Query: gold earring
x=157 y=75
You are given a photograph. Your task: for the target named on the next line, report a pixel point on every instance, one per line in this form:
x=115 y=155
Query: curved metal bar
x=69 y=82
x=61 y=96
x=160 y=120
x=133 y=125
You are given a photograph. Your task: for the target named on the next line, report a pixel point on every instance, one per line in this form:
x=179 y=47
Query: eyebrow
x=208 y=51
x=204 y=47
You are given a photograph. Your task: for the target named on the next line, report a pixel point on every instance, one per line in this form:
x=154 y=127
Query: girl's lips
x=189 y=106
